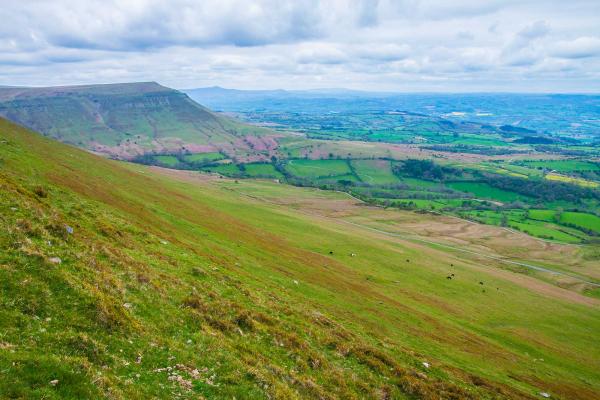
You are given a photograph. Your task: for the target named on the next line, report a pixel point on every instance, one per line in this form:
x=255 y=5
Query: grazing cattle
x=448 y=277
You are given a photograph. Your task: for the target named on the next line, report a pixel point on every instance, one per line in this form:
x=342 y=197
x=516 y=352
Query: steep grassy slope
x=124 y=120
x=118 y=282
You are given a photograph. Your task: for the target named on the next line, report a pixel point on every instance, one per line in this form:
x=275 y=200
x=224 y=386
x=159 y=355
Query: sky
x=378 y=45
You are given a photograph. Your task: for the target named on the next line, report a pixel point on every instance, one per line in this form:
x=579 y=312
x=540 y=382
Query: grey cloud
x=302 y=43
x=368 y=13
x=535 y=30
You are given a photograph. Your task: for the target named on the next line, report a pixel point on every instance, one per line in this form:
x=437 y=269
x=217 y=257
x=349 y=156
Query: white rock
x=54 y=382
x=544 y=394
x=127 y=305
x=55 y=260
x=426 y=364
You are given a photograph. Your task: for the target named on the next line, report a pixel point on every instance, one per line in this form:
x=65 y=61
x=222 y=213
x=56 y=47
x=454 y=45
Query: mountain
x=128 y=282
x=218 y=94
x=126 y=120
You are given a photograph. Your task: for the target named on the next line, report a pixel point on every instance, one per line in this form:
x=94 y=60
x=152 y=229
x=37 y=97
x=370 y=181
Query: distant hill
x=219 y=94
x=130 y=119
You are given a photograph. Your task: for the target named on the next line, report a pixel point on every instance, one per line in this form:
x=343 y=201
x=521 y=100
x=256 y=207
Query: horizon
x=317 y=89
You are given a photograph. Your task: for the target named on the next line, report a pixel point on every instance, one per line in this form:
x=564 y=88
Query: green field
x=169 y=161
x=587 y=221
x=261 y=170
x=539 y=223
x=483 y=190
x=203 y=157
x=317 y=168
x=563 y=165
x=572 y=180
x=121 y=281
x=375 y=172
x=337 y=179
x=579 y=219
x=225 y=169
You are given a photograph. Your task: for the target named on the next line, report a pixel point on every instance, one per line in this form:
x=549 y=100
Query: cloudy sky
x=390 y=45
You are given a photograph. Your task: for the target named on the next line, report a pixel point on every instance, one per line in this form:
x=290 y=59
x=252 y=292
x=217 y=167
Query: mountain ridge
x=128 y=120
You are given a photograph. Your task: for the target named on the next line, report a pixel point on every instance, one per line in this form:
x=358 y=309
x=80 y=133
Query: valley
x=233 y=260
x=251 y=287
x=299 y=200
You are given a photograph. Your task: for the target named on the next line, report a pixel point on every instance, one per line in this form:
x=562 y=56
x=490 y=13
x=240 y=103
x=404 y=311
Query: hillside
x=127 y=120
x=124 y=282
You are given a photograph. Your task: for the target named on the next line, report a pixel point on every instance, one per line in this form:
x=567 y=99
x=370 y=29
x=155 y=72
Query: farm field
x=563 y=165
x=377 y=172
x=587 y=221
x=518 y=219
x=445 y=229
x=569 y=179
x=169 y=161
x=262 y=169
x=224 y=169
x=384 y=182
x=317 y=168
x=203 y=157
x=483 y=190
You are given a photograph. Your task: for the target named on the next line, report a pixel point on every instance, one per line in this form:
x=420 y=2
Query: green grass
x=563 y=165
x=584 y=220
x=203 y=157
x=543 y=215
x=169 y=161
x=483 y=190
x=375 y=172
x=539 y=224
x=317 y=168
x=337 y=178
x=243 y=298
x=418 y=183
x=224 y=169
x=262 y=170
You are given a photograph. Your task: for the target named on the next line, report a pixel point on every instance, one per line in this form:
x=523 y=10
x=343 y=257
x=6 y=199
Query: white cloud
x=581 y=47
x=366 y=44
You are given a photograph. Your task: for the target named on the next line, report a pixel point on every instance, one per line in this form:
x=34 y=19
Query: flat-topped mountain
x=129 y=119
